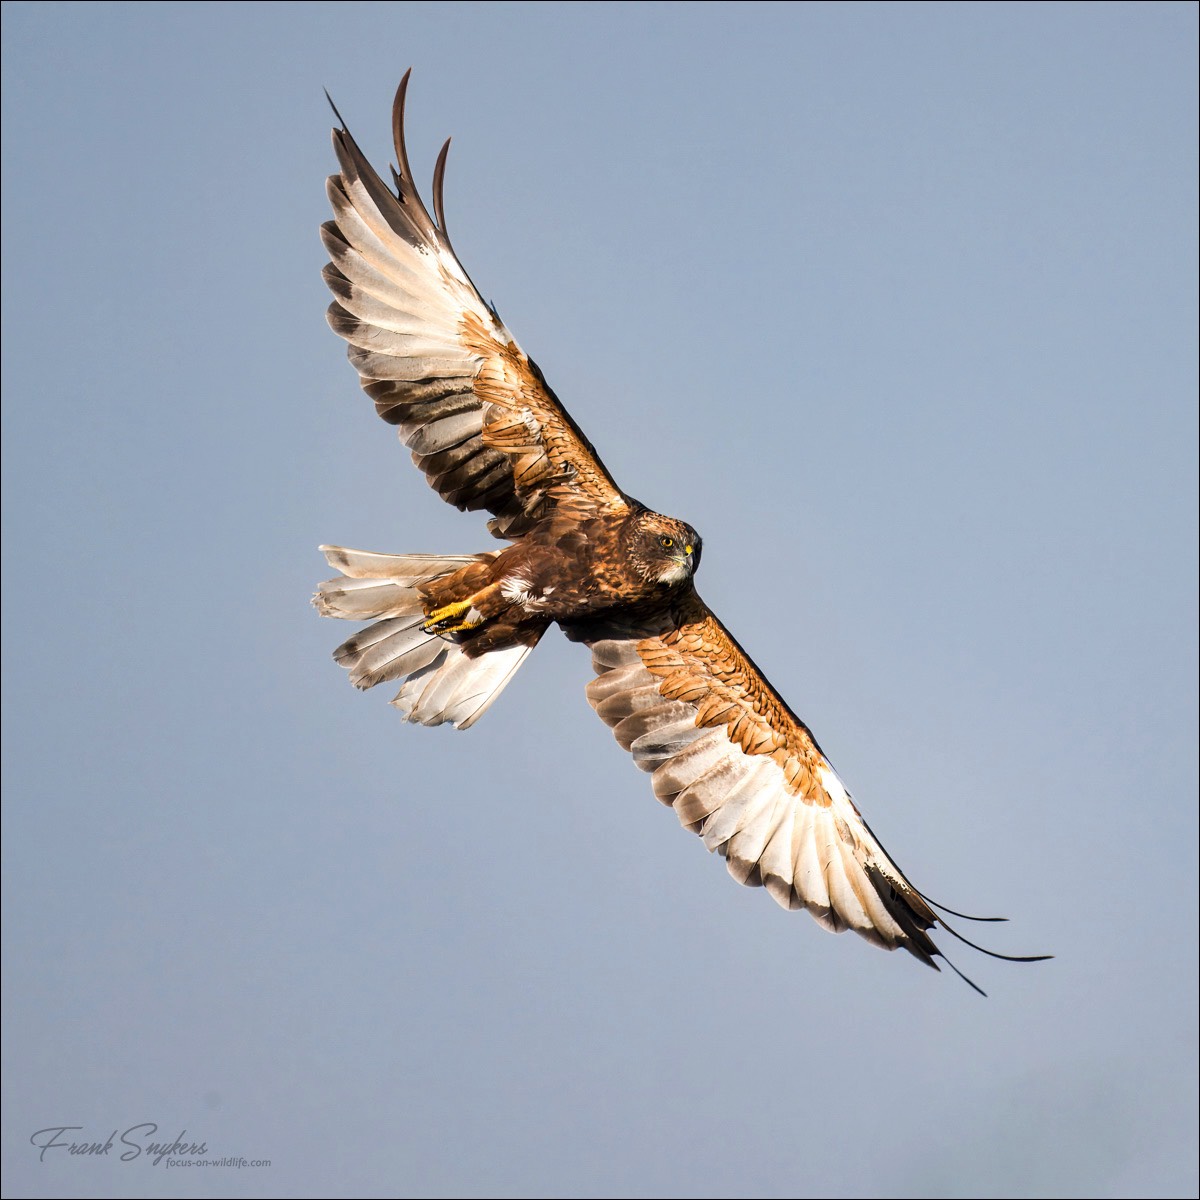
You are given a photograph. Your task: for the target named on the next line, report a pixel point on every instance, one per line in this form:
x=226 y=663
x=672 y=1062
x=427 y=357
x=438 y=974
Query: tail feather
x=388 y=649
x=364 y=599
x=381 y=585
x=456 y=688
x=403 y=568
x=443 y=682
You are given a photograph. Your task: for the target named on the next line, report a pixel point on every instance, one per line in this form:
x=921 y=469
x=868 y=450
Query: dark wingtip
x=953 y=912
x=1025 y=958
x=340 y=118
x=439 y=176
x=965 y=978
x=398 y=127
x=401 y=89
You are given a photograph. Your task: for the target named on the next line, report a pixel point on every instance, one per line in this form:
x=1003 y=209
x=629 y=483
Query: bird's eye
x=666 y=542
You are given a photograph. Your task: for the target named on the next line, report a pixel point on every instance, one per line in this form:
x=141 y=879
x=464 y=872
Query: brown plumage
x=725 y=751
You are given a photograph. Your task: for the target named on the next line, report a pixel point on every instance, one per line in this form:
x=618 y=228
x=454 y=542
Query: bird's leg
x=440 y=619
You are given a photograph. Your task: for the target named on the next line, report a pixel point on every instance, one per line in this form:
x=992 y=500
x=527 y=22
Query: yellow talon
x=436 y=621
x=448 y=610
x=461 y=627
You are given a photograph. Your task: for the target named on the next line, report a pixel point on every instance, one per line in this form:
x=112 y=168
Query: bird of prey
x=722 y=748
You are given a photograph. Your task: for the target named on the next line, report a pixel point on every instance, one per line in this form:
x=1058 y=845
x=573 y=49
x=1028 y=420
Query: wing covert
x=474 y=409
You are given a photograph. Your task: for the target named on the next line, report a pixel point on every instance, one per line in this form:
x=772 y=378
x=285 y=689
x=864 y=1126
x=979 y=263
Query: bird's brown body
x=571 y=567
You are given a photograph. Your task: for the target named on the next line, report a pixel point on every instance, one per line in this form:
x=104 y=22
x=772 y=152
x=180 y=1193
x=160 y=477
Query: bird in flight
x=721 y=746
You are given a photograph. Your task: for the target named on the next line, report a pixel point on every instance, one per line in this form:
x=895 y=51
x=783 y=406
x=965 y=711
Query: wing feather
x=681 y=771
x=742 y=771
x=437 y=360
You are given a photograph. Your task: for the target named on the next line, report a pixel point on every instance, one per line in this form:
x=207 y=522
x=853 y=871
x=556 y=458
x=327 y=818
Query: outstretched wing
x=439 y=363
x=743 y=772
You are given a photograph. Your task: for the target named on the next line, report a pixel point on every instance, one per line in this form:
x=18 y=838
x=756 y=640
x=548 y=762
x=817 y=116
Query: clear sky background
x=896 y=304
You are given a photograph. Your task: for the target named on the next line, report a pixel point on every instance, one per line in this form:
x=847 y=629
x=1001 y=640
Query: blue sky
x=897 y=305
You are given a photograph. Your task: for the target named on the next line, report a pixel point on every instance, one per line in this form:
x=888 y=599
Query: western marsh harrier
x=722 y=748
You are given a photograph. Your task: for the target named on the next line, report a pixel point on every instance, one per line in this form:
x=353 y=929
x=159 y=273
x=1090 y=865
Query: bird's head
x=664 y=550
